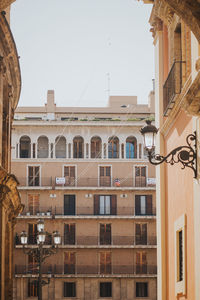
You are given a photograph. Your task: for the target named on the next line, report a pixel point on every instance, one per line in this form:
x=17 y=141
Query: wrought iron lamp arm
x=186 y=155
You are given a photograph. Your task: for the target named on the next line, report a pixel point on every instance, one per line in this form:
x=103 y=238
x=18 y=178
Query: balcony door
x=69 y=174
x=140 y=176
x=69 y=262
x=141 y=234
x=69 y=205
x=105 y=176
x=105 y=262
x=33 y=203
x=141 y=262
x=32 y=234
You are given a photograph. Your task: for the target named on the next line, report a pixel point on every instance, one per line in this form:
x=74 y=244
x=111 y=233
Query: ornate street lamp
x=186 y=155
x=40 y=253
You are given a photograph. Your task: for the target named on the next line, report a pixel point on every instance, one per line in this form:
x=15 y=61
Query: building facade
x=177 y=82
x=10 y=204
x=85 y=173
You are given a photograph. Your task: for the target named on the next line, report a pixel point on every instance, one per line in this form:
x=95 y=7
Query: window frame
x=40 y=174
x=111 y=289
x=180 y=225
x=147 y=289
x=65 y=289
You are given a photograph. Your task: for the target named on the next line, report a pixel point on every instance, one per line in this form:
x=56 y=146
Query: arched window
x=78 y=147
x=96 y=147
x=113 y=147
x=25 y=147
x=131 y=147
x=60 y=147
x=43 y=147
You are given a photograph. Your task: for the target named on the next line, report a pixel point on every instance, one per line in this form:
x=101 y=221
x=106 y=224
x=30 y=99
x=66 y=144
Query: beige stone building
x=84 y=171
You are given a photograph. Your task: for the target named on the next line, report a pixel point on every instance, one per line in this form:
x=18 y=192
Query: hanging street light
x=40 y=253
x=186 y=155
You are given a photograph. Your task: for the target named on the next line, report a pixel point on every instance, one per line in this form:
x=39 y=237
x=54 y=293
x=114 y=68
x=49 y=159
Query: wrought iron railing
x=88 y=182
x=84 y=240
x=119 y=269
x=172 y=85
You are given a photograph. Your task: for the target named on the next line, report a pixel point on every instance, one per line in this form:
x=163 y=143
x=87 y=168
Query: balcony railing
x=88 y=270
x=95 y=240
x=84 y=211
x=120 y=211
x=172 y=85
x=88 y=182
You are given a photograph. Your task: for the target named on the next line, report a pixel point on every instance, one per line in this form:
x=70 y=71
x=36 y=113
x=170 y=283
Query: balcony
x=172 y=86
x=50 y=212
x=120 y=211
x=84 y=182
x=94 y=241
x=136 y=270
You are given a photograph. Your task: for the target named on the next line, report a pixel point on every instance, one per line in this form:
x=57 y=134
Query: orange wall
x=179 y=201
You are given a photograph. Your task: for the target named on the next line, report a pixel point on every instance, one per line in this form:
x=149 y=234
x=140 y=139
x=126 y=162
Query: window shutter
x=101 y=171
x=149 y=204
x=72 y=172
x=66 y=171
x=96 y=204
x=137 y=233
x=113 y=204
x=144 y=234
x=137 y=205
x=72 y=234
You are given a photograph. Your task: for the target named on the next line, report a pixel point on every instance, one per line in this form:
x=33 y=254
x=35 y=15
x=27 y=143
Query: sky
x=83 y=50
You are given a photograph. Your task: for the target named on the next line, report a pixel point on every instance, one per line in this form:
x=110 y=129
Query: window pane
x=107 y=205
x=101 y=205
x=143 y=205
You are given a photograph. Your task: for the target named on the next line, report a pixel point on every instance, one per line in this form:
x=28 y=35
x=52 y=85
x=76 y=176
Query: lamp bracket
x=186 y=155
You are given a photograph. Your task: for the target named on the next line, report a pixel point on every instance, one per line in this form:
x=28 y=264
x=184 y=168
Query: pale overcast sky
x=72 y=45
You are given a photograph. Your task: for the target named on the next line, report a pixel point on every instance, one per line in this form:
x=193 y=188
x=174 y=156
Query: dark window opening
x=105 y=289
x=180 y=255
x=69 y=205
x=141 y=289
x=69 y=289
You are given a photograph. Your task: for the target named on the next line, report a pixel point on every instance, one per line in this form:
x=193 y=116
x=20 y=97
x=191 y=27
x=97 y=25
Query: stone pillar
x=31 y=150
x=49 y=156
x=120 y=152
x=67 y=150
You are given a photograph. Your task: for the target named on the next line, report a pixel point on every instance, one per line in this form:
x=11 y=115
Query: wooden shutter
x=105 y=262
x=137 y=205
x=33 y=203
x=32 y=233
x=105 y=234
x=101 y=171
x=144 y=234
x=69 y=262
x=149 y=204
x=113 y=204
x=69 y=234
x=137 y=234
x=96 y=204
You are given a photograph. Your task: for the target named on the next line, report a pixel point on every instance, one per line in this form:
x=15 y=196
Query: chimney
x=50 y=106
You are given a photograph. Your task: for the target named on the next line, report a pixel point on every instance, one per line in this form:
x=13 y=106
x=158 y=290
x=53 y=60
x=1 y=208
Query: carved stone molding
x=197 y=65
